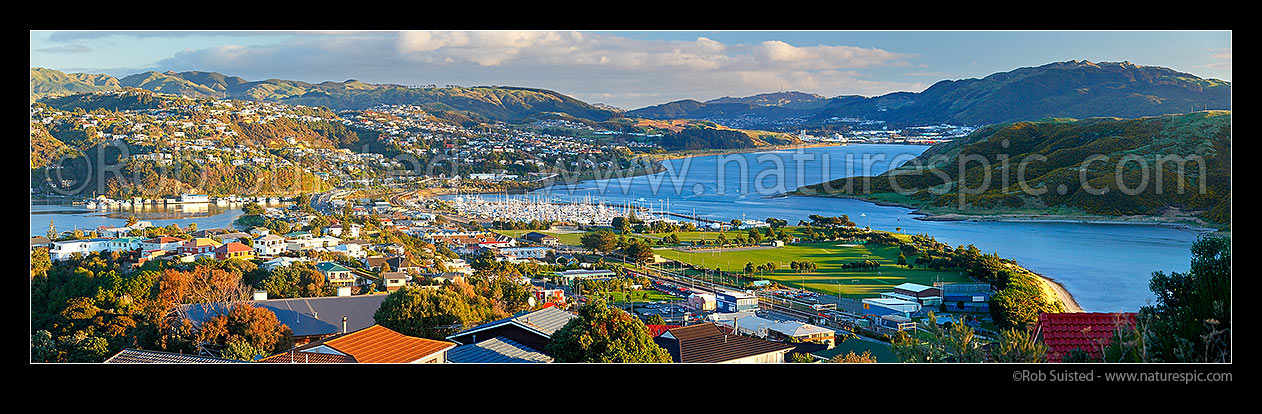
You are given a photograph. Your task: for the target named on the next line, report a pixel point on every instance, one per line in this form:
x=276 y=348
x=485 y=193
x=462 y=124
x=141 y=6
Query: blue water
x=1106 y=267
x=69 y=217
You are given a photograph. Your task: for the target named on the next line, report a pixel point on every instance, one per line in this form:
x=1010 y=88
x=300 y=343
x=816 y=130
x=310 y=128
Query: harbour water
x=69 y=217
x=1106 y=267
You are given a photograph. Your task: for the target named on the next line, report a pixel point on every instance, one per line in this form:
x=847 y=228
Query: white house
x=269 y=245
x=62 y=250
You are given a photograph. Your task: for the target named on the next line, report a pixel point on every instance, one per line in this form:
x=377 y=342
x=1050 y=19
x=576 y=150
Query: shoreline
x=1057 y=289
x=1161 y=221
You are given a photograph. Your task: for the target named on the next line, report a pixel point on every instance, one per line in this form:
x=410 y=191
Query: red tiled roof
x=657 y=330
x=1064 y=332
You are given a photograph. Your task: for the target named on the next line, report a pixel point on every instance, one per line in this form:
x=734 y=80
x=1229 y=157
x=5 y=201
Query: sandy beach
x=1056 y=289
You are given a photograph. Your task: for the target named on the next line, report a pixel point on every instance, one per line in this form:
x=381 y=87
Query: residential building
x=374 y=344
x=269 y=245
x=309 y=318
x=199 y=245
x=394 y=280
x=498 y=350
x=140 y=356
x=164 y=243
x=63 y=250
x=1062 y=333
x=234 y=250
x=542 y=239
x=533 y=329
x=336 y=274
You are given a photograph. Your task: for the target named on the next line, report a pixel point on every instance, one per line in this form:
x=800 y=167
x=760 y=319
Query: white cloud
x=629 y=73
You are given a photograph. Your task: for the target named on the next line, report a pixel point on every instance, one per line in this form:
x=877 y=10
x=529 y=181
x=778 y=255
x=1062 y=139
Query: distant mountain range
x=499 y=103
x=1073 y=89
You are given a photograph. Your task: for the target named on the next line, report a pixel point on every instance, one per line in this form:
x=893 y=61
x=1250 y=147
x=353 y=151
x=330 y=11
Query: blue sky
x=629 y=69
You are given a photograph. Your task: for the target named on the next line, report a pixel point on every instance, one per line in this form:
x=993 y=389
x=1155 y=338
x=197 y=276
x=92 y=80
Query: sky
x=628 y=69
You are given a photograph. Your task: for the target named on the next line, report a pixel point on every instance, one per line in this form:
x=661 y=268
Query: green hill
x=1074 y=89
x=1103 y=166
x=48 y=82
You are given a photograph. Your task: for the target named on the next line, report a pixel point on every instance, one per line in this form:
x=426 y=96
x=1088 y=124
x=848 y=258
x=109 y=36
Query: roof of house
x=233 y=247
x=40 y=240
x=374 y=344
x=201 y=241
x=326 y=267
x=706 y=343
x=394 y=275
x=140 y=356
x=496 y=350
x=1090 y=331
x=655 y=330
x=543 y=322
x=164 y=239
x=307 y=316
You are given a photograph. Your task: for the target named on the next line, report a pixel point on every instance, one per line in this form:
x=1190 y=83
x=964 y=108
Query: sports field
x=829 y=256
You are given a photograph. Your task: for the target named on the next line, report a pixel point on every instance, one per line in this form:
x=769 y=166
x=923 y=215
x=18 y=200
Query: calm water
x=68 y=217
x=1105 y=266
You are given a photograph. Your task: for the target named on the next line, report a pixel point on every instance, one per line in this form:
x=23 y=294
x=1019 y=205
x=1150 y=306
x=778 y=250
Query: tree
x=600 y=241
x=956 y=343
x=1017 y=345
x=425 y=313
x=852 y=358
x=656 y=319
x=1191 y=320
x=255 y=326
x=638 y=252
x=622 y=224
x=131 y=220
x=800 y=358
x=52 y=231
x=604 y=334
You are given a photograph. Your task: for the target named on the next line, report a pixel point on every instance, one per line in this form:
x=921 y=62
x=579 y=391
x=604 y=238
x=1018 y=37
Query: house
x=234 y=250
x=234 y=237
x=533 y=329
x=402 y=264
x=40 y=241
x=122 y=244
x=706 y=343
x=344 y=230
x=63 y=250
x=394 y=280
x=164 y=243
x=309 y=318
x=208 y=232
x=374 y=344
x=353 y=250
x=336 y=274
x=496 y=350
x=374 y=263
x=542 y=239
x=1061 y=333
x=140 y=356
x=525 y=252
x=269 y=245
x=281 y=262
x=199 y=245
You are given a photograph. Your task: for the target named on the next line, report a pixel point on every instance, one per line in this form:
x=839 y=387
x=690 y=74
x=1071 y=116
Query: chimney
x=343 y=323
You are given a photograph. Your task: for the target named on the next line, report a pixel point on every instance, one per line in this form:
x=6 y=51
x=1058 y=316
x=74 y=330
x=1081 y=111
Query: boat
x=221 y=201
x=90 y=204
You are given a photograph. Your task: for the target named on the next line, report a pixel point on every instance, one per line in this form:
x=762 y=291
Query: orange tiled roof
x=380 y=344
x=374 y=344
x=1063 y=332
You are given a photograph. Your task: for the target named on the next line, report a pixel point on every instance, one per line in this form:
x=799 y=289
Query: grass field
x=829 y=278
